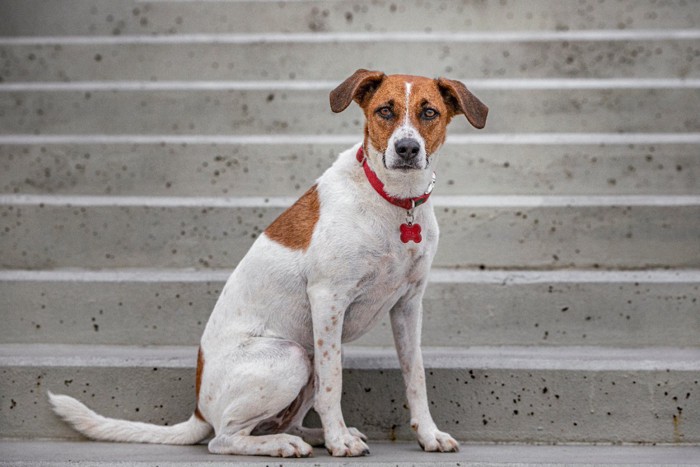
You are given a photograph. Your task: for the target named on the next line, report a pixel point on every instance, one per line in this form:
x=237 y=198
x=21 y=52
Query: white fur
x=98 y=427
x=275 y=333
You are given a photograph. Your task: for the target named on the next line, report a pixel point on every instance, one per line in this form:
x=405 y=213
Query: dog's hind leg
x=250 y=393
x=313 y=436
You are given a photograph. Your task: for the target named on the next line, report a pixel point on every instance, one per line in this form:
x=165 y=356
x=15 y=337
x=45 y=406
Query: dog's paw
x=434 y=440
x=293 y=448
x=279 y=445
x=347 y=444
x=358 y=433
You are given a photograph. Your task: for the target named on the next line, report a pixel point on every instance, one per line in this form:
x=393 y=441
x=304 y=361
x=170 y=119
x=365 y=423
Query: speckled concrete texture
x=59 y=454
x=288 y=169
x=307 y=112
x=478 y=394
x=144 y=145
x=542 y=233
x=275 y=170
x=461 y=308
x=110 y=17
x=295 y=58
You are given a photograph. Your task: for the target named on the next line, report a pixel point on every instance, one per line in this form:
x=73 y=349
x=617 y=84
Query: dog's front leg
x=406 y=320
x=328 y=309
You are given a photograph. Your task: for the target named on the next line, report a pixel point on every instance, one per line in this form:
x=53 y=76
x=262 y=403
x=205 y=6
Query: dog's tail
x=95 y=426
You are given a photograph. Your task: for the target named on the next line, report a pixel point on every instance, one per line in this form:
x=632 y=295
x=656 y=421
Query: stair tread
x=125 y=17
x=58 y=453
x=437 y=274
x=580 y=358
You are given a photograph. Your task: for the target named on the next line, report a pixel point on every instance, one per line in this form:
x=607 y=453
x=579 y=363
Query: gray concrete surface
x=283 y=169
x=241 y=57
x=80 y=103
x=224 y=112
x=56 y=232
x=84 y=454
x=480 y=394
x=125 y=17
x=161 y=307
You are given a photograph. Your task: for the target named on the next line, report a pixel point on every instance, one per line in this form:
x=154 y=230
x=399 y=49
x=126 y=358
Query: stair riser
x=456 y=314
x=56 y=236
x=288 y=169
x=108 y=17
x=308 y=112
x=282 y=61
x=474 y=405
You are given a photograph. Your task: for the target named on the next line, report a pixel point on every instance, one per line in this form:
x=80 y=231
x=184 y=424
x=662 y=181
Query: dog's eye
x=429 y=114
x=385 y=112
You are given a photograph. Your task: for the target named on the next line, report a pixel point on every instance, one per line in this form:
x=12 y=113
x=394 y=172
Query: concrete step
x=286 y=168
x=462 y=308
x=479 y=394
x=48 y=232
x=465 y=55
x=383 y=454
x=123 y=17
x=306 y=111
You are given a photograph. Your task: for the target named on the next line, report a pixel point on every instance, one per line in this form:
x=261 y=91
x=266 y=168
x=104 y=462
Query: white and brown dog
x=355 y=246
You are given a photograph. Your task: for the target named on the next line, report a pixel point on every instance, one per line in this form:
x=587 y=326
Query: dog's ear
x=357 y=87
x=462 y=101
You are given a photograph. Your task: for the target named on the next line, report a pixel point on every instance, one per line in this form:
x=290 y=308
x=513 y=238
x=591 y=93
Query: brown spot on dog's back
x=295 y=226
x=198 y=382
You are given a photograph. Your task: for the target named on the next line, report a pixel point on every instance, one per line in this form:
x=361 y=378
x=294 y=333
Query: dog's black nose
x=407 y=148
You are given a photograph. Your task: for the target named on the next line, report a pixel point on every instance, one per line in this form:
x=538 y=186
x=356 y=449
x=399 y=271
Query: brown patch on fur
x=426 y=94
x=373 y=90
x=463 y=101
x=392 y=92
x=295 y=226
x=198 y=382
x=358 y=86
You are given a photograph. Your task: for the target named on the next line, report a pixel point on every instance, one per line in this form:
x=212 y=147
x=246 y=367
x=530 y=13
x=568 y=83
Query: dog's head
x=407 y=116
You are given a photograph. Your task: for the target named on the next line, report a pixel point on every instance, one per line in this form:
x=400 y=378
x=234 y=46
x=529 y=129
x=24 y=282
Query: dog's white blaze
x=406 y=122
x=406 y=130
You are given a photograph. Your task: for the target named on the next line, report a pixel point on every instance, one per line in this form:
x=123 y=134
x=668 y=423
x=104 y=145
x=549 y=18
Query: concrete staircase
x=145 y=145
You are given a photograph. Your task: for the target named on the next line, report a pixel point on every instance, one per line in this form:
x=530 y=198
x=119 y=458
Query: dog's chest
x=388 y=278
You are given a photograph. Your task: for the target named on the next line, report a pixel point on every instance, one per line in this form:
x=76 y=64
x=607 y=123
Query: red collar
x=405 y=203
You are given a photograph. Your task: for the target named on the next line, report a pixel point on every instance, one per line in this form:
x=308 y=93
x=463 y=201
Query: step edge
x=327 y=85
x=44 y=451
x=483 y=358
x=440 y=201
x=587 y=139
x=591 y=35
x=437 y=276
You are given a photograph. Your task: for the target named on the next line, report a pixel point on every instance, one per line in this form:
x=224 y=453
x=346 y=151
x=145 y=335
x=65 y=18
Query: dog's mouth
x=405 y=166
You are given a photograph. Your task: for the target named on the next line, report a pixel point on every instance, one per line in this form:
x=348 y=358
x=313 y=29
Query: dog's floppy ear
x=462 y=101
x=357 y=87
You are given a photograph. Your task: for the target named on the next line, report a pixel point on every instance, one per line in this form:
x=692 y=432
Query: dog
x=357 y=245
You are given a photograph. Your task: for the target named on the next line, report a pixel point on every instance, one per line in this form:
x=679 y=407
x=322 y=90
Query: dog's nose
x=407 y=148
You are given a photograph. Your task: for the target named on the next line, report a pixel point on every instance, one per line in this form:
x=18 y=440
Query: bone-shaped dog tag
x=411 y=233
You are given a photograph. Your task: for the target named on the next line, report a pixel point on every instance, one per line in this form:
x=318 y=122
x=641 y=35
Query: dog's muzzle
x=408 y=151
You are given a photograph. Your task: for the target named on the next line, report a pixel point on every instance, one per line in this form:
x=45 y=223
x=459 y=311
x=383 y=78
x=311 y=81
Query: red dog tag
x=411 y=233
